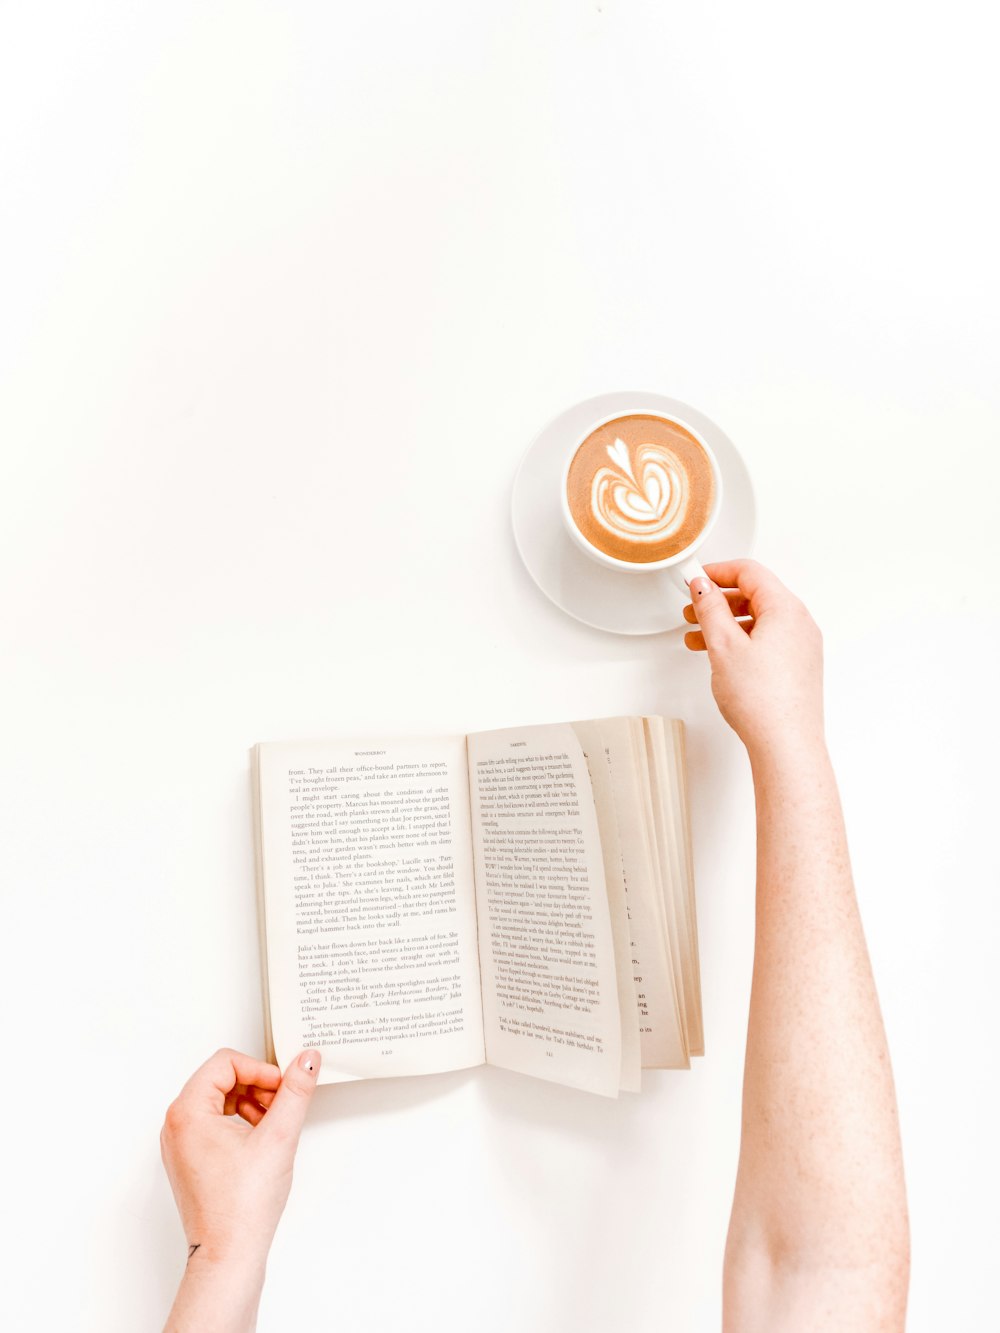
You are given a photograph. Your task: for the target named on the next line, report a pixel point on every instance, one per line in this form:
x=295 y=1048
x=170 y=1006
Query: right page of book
x=665 y=747
x=546 y=949
x=658 y=986
x=591 y=738
x=697 y=1033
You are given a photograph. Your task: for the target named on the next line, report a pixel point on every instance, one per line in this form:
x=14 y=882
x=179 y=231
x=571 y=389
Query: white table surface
x=284 y=293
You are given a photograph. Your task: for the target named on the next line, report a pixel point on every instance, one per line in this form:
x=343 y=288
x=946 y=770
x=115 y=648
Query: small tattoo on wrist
x=192 y=1248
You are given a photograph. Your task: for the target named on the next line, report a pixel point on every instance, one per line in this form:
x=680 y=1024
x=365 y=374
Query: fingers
x=738 y=604
x=258 y=1095
x=250 y=1110
x=287 y=1111
x=695 y=640
x=714 y=617
x=758 y=585
x=214 y=1083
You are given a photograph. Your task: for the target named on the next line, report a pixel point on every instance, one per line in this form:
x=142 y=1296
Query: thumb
x=286 y=1114
x=715 y=617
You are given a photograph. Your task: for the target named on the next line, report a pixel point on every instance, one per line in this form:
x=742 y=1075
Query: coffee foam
x=641 y=488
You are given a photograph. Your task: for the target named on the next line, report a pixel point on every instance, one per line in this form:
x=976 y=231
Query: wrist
x=221 y=1254
x=234 y=1266
x=220 y=1293
x=224 y=1240
x=788 y=753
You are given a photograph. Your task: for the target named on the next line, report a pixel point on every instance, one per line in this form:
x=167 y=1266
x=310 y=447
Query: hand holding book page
x=521 y=897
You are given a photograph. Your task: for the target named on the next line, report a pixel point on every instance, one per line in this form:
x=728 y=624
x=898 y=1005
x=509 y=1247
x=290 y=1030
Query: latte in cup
x=641 y=488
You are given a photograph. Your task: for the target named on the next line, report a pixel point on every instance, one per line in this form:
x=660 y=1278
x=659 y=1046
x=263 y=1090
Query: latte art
x=641 y=488
x=644 y=503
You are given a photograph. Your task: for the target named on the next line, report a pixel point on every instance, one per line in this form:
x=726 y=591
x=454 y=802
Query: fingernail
x=699 y=587
x=310 y=1061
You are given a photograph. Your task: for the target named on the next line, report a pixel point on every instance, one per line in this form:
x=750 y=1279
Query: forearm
x=217 y=1297
x=820 y=1182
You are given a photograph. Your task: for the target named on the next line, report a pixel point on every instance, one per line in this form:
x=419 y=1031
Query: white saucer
x=625 y=603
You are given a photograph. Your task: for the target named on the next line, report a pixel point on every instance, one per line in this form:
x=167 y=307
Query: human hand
x=228 y=1144
x=767 y=666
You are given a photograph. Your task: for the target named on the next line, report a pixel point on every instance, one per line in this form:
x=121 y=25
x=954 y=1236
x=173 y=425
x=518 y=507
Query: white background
x=286 y=290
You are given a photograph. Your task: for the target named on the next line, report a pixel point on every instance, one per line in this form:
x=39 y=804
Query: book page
x=661 y=1029
x=369 y=905
x=696 y=1031
x=669 y=800
x=667 y=840
x=597 y=755
x=550 y=997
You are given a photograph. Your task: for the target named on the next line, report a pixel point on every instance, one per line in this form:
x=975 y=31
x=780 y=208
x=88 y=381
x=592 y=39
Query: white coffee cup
x=681 y=567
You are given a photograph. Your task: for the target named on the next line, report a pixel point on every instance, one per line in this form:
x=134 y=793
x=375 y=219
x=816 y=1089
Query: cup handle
x=687 y=570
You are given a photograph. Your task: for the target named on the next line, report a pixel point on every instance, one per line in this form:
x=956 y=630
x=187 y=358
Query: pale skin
x=230 y=1178
x=818 y=1236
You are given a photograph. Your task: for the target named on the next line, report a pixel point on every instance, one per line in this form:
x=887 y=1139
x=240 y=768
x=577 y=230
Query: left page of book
x=368 y=906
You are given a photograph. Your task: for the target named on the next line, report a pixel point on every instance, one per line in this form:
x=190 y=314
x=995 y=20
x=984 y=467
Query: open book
x=521 y=898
